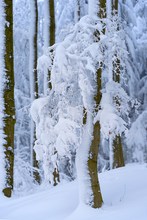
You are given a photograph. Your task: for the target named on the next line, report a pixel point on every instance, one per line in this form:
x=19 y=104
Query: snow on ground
x=124 y=192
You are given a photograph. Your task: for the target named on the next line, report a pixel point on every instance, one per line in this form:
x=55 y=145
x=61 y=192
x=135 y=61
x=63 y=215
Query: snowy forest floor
x=124 y=192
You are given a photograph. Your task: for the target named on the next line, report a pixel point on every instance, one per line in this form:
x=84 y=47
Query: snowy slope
x=124 y=191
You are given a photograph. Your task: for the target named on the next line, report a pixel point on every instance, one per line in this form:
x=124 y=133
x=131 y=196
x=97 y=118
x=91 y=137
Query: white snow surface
x=124 y=192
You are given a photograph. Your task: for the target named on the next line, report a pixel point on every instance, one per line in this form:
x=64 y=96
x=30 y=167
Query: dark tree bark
x=52 y=32
x=56 y=175
x=77 y=10
x=9 y=106
x=34 y=78
x=52 y=22
x=118 y=158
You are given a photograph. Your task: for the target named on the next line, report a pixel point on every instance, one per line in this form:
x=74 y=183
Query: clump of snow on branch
x=114 y=110
x=59 y=116
x=137 y=137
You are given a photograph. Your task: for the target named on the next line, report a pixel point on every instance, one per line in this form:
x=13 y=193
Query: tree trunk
x=97 y=200
x=9 y=106
x=52 y=32
x=118 y=159
x=93 y=152
x=52 y=22
x=102 y=8
x=49 y=37
x=46 y=44
x=56 y=175
x=77 y=11
x=36 y=51
x=33 y=77
x=46 y=24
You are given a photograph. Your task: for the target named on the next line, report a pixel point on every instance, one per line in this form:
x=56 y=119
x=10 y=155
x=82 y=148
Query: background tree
x=23 y=179
x=136 y=148
x=49 y=40
x=118 y=160
x=33 y=73
x=77 y=10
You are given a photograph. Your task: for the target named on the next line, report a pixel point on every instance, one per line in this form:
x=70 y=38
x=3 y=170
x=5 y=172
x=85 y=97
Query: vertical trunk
x=93 y=152
x=35 y=50
x=52 y=32
x=46 y=43
x=102 y=8
x=56 y=176
x=9 y=108
x=33 y=75
x=77 y=11
x=2 y=77
x=52 y=22
x=118 y=159
x=46 y=24
x=97 y=200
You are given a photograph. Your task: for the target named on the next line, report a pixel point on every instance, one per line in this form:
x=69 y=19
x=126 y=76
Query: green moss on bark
x=94 y=148
x=92 y=166
x=9 y=107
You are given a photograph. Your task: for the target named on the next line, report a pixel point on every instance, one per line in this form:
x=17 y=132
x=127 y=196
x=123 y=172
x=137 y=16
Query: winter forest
x=73 y=109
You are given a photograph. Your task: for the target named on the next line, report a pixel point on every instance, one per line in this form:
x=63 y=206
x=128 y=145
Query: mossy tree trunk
x=118 y=159
x=95 y=143
x=93 y=152
x=9 y=106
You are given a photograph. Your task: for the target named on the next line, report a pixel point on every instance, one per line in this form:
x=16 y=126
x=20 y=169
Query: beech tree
x=8 y=110
x=114 y=74
x=95 y=142
x=49 y=39
x=33 y=72
x=86 y=103
x=118 y=159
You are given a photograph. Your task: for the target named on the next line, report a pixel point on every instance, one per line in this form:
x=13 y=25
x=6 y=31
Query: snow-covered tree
x=7 y=96
x=117 y=151
x=74 y=89
x=134 y=23
x=33 y=55
x=22 y=168
x=44 y=74
x=89 y=105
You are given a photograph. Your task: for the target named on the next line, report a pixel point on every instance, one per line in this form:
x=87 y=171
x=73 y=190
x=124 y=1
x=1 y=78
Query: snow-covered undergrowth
x=124 y=192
